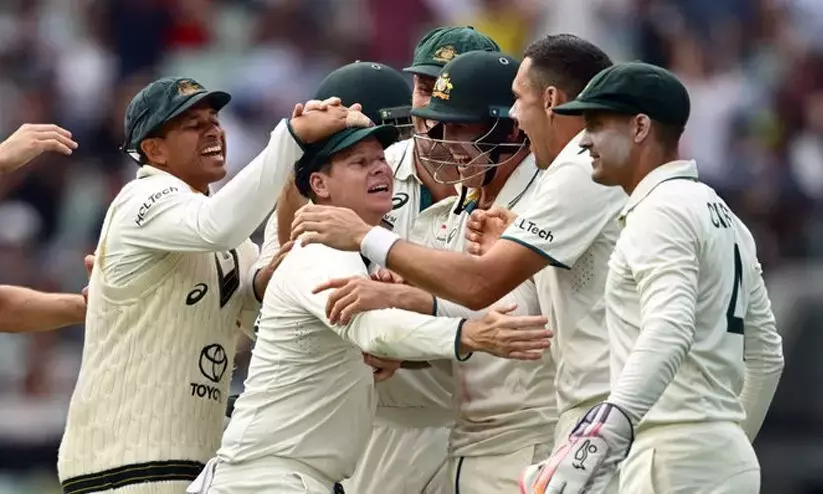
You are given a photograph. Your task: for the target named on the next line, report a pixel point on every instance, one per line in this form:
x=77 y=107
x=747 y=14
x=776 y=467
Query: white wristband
x=377 y=244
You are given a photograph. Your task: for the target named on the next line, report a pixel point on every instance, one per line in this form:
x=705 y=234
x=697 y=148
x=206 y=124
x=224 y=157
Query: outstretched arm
x=23 y=310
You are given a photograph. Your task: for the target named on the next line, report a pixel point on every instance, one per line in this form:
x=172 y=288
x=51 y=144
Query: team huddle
x=502 y=278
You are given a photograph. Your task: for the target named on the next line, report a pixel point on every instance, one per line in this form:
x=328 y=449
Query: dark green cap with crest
x=633 y=88
x=160 y=102
x=439 y=46
x=474 y=87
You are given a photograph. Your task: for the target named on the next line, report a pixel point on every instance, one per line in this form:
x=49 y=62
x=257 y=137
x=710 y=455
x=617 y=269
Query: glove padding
x=588 y=461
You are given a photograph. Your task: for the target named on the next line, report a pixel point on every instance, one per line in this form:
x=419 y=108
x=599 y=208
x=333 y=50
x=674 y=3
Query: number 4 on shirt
x=735 y=323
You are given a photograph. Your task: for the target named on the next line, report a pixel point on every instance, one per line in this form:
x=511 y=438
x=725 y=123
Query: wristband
x=377 y=243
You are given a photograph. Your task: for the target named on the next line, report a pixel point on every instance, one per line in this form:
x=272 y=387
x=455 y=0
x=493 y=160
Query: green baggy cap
x=439 y=46
x=633 y=88
x=162 y=101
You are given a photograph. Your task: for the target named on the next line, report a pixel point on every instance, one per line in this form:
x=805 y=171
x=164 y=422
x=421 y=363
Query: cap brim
x=218 y=100
x=385 y=134
x=426 y=70
x=576 y=107
x=429 y=112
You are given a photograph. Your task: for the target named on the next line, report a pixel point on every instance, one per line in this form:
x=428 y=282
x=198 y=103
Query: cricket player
x=696 y=357
x=414 y=413
x=569 y=224
x=307 y=410
x=506 y=409
x=169 y=286
x=24 y=310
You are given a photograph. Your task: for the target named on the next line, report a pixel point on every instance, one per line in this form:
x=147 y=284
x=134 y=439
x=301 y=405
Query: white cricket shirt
x=309 y=397
x=170 y=282
x=688 y=314
x=503 y=405
x=572 y=222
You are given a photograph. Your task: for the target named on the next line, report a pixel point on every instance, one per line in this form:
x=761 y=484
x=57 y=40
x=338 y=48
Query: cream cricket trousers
x=264 y=476
x=697 y=458
x=494 y=474
x=406 y=454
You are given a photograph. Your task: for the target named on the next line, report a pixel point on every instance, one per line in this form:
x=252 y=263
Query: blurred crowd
x=754 y=69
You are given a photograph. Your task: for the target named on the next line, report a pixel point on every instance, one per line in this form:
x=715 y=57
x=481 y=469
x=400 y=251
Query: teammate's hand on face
x=352 y=296
x=387 y=276
x=383 y=368
x=514 y=337
x=485 y=227
x=32 y=140
x=338 y=228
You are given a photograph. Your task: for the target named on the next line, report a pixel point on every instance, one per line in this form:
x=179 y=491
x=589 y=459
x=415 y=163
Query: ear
x=155 y=150
x=641 y=128
x=549 y=98
x=318 y=181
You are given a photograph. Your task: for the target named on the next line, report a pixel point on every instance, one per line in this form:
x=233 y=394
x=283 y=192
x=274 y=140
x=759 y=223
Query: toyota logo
x=213 y=362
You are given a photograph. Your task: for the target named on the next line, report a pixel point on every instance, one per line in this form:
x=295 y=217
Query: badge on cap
x=444 y=54
x=187 y=87
x=442 y=87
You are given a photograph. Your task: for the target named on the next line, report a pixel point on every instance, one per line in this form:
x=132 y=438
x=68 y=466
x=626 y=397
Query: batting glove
x=589 y=460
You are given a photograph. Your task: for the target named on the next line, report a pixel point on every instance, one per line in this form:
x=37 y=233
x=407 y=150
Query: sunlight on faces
x=609 y=137
x=532 y=113
x=358 y=178
x=192 y=146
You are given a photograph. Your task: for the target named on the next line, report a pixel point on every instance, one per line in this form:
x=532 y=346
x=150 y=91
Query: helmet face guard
x=462 y=158
x=399 y=117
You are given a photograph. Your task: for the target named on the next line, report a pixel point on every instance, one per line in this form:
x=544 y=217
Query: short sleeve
x=567 y=213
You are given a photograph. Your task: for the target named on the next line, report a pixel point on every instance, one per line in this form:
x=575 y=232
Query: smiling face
x=191 y=147
x=609 y=137
x=357 y=178
x=532 y=112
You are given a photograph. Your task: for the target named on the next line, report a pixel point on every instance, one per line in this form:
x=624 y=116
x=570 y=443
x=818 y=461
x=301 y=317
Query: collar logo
x=443 y=87
x=187 y=87
x=444 y=54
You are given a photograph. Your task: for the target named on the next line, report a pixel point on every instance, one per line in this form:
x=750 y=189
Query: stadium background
x=754 y=69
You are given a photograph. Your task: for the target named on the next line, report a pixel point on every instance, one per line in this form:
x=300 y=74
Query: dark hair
x=565 y=61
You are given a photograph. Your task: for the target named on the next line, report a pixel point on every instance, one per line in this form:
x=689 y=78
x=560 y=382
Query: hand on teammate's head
x=316 y=120
x=32 y=140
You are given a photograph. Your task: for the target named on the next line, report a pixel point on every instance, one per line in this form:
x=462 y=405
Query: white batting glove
x=588 y=462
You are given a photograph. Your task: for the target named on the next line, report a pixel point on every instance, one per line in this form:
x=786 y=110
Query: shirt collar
x=685 y=169
x=405 y=168
x=149 y=171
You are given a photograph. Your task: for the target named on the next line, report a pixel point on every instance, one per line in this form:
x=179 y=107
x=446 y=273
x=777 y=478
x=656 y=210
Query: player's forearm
x=402 y=335
x=450 y=275
x=649 y=370
x=763 y=356
x=410 y=298
x=25 y=310
x=756 y=398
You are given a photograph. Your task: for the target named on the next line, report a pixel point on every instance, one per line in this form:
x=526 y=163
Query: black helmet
x=383 y=91
x=474 y=88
